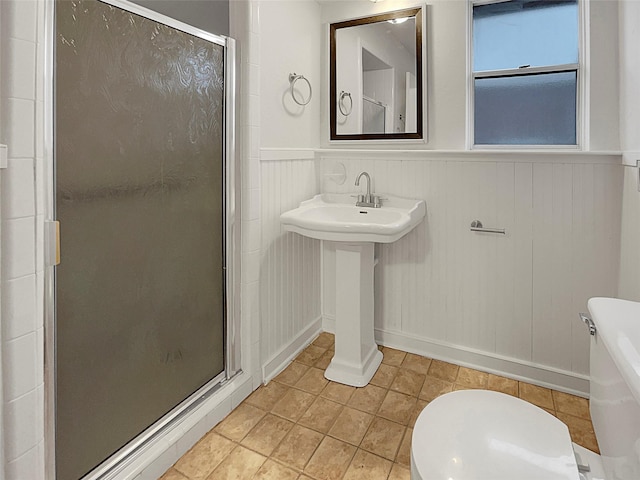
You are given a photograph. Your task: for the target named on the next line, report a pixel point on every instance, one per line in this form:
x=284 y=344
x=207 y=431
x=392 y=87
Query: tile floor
x=302 y=426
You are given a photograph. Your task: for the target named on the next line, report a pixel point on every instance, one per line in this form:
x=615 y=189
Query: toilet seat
x=485 y=435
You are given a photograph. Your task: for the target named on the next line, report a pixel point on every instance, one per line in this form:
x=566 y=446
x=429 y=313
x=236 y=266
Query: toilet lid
x=484 y=435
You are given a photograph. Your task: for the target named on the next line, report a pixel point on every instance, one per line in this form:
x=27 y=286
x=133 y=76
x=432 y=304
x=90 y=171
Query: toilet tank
x=615 y=385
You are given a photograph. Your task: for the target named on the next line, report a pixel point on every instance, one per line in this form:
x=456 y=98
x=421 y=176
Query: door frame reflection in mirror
x=417 y=13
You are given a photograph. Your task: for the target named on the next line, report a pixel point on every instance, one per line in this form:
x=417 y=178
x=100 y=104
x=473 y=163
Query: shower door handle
x=52 y=246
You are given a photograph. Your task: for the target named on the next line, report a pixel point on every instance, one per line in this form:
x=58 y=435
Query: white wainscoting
x=506 y=303
x=289 y=264
x=629 y=286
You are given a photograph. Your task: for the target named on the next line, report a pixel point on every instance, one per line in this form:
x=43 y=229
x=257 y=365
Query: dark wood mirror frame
x=418 y=135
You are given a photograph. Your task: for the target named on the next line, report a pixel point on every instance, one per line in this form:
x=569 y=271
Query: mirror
x=376 y=77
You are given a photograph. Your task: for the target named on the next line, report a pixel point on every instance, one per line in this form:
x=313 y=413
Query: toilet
x=485 y=435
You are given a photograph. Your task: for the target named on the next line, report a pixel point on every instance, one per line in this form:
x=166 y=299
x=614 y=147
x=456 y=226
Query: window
x=525 y=72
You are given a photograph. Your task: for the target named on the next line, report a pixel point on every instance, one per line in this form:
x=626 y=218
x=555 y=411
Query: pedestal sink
x=336 y=218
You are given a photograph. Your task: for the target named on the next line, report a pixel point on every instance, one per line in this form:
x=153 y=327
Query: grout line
x=343 y=404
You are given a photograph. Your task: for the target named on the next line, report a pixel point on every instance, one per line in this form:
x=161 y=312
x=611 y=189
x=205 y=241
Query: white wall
x=629 y=15
x=506 y=303
x=446 y=52
x=290 y=35
x=289 y=43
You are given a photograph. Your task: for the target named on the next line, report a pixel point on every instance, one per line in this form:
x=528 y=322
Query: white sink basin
x=335 y=217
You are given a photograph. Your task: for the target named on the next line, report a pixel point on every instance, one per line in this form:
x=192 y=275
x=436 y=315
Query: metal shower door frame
x=110 y=468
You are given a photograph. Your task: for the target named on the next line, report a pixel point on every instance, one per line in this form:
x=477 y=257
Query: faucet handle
x=377 y=200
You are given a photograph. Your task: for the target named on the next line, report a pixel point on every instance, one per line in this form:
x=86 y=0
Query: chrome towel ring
x=293 y=78
x=341 y=104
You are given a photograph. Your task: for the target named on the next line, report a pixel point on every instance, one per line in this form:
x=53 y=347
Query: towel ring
x=342 y=106
x=293 y=78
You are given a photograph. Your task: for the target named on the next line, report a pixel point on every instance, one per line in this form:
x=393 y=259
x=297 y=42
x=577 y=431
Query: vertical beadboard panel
x=629 y=280
x=290 y=263
x=544 y=342
x=513 y=296
x=504 y=294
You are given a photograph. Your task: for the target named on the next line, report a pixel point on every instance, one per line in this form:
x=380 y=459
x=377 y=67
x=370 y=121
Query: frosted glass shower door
x=139 y=154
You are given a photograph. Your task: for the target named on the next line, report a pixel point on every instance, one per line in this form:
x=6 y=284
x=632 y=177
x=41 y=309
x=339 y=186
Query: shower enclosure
x=143 y=190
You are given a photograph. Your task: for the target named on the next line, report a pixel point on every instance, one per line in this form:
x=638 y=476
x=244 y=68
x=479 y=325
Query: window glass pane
x=524 y=32
x=526 y=110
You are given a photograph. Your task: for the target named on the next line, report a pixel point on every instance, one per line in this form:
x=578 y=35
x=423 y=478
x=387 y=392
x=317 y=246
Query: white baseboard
x=285 y=356
x=522 y=370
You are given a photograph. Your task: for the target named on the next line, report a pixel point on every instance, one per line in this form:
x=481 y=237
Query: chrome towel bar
x=476 y=226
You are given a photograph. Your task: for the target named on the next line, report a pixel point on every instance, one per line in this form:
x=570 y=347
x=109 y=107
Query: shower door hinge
x=52 y=245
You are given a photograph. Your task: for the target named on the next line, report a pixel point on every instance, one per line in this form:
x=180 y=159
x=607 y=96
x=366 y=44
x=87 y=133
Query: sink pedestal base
x=357 y=356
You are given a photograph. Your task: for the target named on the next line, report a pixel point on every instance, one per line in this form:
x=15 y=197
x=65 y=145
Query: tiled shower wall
x=22 y=283
x=22 y=35
x=503 y=302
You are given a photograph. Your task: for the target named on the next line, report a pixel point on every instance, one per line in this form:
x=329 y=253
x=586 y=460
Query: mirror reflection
x=376 y=77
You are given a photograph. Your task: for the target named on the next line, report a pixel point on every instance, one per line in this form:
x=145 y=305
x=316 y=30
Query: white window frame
x=582 y=83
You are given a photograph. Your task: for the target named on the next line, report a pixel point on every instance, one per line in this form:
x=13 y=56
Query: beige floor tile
x=331 y=460
x=443 y=371
x=393 y=357
x=267 y=396
x=324 y=340
x=291 y=374
x=397 y=407
x=502 y=384
x=312 y=381
x=433 y=388
x=581 y=431
x=408 y=381
x=205 y=456
x=293 y=404
x=383 y=438
x=310 y=355
x=384 y=376
x=240 y=421
x=417 y=410
x=324 y=361
x=172 y=474
x=472 y=378
x=539 y=396
x=267 y=434
x=404 y=452
x=570 y=404
x=368 y=399
x=367 y=466
x=338 y=392
x=351 y=425
x=457 y=386
x=321 y=415
x=298 y=446
x=271 y=470
x=242 y=463
x=398 y=472
x=416 y=363
x=334 y=419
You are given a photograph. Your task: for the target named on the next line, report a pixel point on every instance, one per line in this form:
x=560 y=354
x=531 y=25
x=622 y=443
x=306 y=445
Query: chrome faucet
x=367 y=200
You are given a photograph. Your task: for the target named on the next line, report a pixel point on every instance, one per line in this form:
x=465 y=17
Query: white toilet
x=484 y=435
